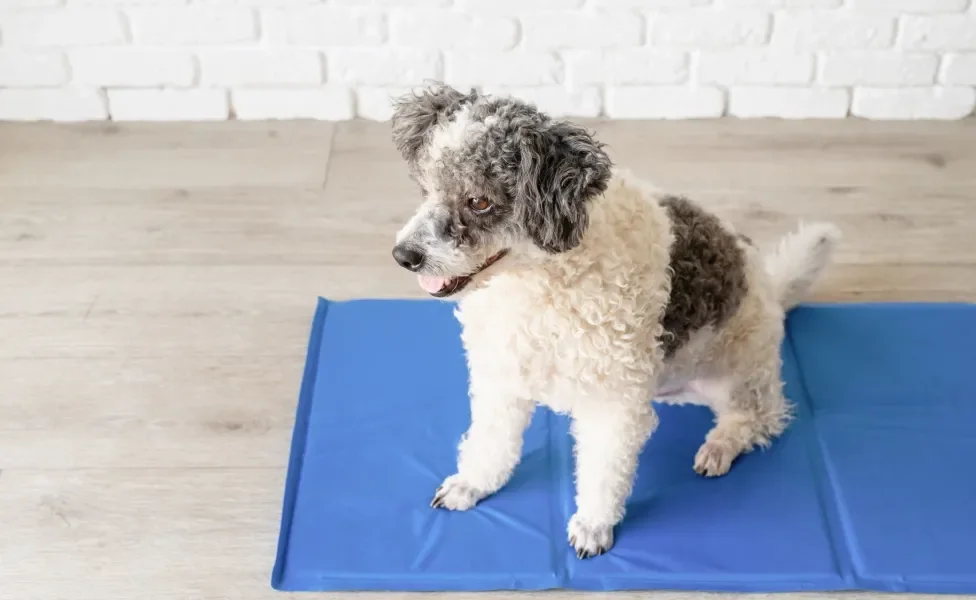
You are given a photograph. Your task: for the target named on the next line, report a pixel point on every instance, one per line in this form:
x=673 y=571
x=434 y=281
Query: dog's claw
x=455 y=494
x=714 y=459
x=588 y=540
x=584 y=554
x=440 y=496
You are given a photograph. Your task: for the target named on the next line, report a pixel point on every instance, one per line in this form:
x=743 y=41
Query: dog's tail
x=798 y=260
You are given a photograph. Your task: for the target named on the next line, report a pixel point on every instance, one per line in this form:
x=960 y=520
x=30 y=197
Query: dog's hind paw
x=589 y=540
x=455 y=494
x=714 y=459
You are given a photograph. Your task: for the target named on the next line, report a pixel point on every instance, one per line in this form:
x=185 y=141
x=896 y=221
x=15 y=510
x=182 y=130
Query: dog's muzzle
x=412 y=259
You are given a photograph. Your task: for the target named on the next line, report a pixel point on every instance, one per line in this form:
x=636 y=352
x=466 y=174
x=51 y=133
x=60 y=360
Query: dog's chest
x=543 y=348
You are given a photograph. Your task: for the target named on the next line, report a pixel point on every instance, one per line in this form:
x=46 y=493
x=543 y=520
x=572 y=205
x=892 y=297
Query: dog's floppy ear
x=561 y=168
x=414 y=115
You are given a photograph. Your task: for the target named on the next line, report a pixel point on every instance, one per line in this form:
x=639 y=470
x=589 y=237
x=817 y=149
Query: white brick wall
x=168 y=105
x=32 y=68
x=74 y=60
x=246 y=67
x=132 y=67
x=788 y=103
x=664 y=102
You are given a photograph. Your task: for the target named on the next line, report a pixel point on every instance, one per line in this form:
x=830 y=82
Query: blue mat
x=872 y=487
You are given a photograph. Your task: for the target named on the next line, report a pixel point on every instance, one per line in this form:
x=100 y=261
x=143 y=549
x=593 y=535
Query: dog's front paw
x=714 y=459
x=456 y=494
x=589 y=540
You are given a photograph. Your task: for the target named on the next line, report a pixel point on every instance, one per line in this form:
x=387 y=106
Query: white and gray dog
x=581 y=288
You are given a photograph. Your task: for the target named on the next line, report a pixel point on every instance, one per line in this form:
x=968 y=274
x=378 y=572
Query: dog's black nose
x=407 y=257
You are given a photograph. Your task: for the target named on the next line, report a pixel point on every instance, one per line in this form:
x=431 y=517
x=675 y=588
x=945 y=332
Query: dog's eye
x=479 y=205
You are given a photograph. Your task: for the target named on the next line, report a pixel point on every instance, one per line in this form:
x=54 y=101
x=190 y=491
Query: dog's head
x=498 y=178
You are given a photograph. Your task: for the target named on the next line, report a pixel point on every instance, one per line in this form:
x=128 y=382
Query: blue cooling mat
x=872 y=487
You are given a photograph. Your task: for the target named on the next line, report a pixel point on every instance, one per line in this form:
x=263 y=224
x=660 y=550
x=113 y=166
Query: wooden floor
x=157 y=284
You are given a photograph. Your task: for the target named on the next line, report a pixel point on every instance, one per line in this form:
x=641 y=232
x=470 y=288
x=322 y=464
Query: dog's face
x=497 y=176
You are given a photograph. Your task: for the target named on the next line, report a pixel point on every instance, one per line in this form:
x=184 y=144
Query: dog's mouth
x=442 y=287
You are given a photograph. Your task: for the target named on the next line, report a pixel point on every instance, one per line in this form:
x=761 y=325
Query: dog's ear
x=414 y=114
x=560 y=168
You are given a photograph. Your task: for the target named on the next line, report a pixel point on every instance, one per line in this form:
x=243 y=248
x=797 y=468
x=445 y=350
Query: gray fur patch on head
x=708 y=277
x=416 y=114
x=560 y=168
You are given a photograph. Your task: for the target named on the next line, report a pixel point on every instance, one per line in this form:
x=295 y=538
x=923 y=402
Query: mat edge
x=298 y=438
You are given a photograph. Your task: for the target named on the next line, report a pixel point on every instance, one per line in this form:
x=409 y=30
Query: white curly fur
x=576 y=332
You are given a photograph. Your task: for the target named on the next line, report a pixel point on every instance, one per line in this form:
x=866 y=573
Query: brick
x=325 y=26
x=959 y=69
x=393 y=3
x=780 y=3
x=624 y=67
x=788 y=103
x=376 y=103
x=755 y=66
x=128 y=2
x=652 y=4
x=32 y=69
x=192 y=25
x=710 y=29
x=665 y=102
x=591 y=29
x=556 y=101
x=325 y=103
x=837 y=30
x=255 y=3
x=503 y=68
x=941 y=32
x=260 y=66
x=516 y=6
x=30 y=3
x=935 y=103
x=437 y=29
x=911 y=6
x=168 y=105
x=62 y=27
x=132 y=67
x=401 y=66
x=878 y=68
x=68 y=104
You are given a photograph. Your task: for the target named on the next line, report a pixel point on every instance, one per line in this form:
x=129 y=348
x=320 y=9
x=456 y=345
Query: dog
x=585 y=289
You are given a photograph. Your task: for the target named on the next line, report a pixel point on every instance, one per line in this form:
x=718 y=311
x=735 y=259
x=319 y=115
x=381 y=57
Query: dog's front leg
x=610 y=434
x=490 y=449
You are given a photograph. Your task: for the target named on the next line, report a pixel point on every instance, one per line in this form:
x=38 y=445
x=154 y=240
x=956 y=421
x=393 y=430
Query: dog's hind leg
x=751 y=413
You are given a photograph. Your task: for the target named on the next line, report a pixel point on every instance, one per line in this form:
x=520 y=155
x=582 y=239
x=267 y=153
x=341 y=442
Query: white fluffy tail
x=798 y=260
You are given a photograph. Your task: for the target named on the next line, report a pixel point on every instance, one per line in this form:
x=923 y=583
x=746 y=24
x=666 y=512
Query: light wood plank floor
x=157 y=284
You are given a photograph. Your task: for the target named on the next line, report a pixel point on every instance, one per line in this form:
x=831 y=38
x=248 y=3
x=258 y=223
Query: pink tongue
x=430 y=284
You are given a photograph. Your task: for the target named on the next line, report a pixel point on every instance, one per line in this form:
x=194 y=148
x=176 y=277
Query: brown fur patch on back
x=708 y=279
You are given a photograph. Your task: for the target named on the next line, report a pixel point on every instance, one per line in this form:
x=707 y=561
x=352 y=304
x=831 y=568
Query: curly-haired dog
x=584 y=289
